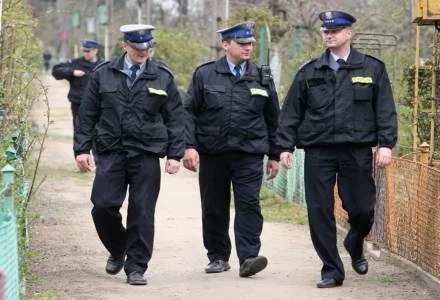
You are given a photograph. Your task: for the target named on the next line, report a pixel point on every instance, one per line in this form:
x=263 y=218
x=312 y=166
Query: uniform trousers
x=115 y=172
x=74 y=107
x=351 y=167
x=245 y=172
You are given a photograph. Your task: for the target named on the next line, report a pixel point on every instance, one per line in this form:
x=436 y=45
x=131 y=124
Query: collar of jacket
x=355 y=60
x=251 y=73
x=151 y=70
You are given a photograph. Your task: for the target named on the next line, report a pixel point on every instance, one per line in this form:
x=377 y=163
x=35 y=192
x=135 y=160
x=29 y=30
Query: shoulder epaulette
x=308 y=62
x=375 y=58
x=100 y=65
x=259 y=66
x=205 y=63
x=163 y=66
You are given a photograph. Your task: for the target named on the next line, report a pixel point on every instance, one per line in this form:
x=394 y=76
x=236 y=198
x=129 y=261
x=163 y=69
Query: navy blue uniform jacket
x=77 y=84
x=146 y=118
x=353 y=107
x=229 y=115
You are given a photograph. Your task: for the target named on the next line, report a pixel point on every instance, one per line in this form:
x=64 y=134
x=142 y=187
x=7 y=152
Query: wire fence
x=9 y=274
x=407 y=219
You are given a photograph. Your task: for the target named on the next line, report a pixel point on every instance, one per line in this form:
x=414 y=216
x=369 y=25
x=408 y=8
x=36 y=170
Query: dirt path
x=67 y=259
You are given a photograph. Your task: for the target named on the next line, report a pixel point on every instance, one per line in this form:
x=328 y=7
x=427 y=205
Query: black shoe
x=359 y=264
x=217 y=266
x=136 y=278
x=114 y=264
x=252 y=266
x=328 y=283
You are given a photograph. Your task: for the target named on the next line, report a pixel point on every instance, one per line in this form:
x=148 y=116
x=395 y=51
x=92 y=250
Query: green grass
x=83 y=178
x=385 y=279
x=275 y=209
x=46 y=295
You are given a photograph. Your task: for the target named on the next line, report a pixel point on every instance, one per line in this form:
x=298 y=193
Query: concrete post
x=8 y=176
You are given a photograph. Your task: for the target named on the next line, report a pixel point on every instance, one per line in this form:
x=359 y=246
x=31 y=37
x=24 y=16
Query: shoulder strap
x=100 y=65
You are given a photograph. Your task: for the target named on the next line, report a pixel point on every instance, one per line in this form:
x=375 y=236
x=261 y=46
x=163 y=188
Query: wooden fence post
x=424 y=153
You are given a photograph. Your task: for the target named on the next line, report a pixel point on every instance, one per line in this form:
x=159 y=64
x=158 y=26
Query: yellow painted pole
x=416 y=95
x=436 y=54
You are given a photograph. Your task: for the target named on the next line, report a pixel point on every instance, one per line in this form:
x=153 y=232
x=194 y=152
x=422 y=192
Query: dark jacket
x=77 y=84
x=229 y=115
x=148 y=117
x=353 y=106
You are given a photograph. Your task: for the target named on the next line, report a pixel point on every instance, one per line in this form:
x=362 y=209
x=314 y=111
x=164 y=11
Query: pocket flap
x=108 y=89
x=215 y=88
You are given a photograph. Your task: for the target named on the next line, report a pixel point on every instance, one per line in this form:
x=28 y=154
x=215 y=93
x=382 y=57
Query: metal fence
x=289 y=184
x=9 y=275
x=407 y=219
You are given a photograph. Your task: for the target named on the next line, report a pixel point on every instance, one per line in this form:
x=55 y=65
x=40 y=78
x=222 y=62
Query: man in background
x=77 y=71
x=47 y=57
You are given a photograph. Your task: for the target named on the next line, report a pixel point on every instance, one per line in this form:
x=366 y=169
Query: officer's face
x=237 y=53
x=136 y=56
x=337 y=38
x=90 y=54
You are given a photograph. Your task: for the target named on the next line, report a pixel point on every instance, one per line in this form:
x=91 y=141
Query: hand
x=84 y=162
x=286 y=159
x=172 y=166
x=191 y=159
x=272 y=168
x=78 y=73
x=383 y=157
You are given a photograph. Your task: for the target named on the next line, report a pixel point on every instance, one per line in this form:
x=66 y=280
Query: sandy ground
x=68 y=260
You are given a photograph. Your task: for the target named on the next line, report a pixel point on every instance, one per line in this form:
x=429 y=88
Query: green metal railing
x=9 y=284
x=289 y=183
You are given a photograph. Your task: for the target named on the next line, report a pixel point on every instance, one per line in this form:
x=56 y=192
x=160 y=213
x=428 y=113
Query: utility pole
x=109 y=4
x=1 y=13
x=220 y=17
x=139 y=11
x=226 y=9
x=148 y=11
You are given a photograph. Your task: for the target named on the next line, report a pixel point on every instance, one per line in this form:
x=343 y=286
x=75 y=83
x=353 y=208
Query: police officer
x=132 y=113
x=47 y=56
x=232 y=114
x=76 y=71
x=338 y=107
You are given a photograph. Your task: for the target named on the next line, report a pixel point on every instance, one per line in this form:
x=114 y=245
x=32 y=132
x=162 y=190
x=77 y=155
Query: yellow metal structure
x=415 y=108
x=426 y=12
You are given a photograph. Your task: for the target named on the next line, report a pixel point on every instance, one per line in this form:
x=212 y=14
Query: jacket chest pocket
x=106 y=90
x=363 y=103
x=258 y=99
x=214 y=96
x=317 y=93
x=362 y=92
x=108 y=95
x=152 y=100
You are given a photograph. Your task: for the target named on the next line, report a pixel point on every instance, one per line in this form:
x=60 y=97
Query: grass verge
x=275 y=209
